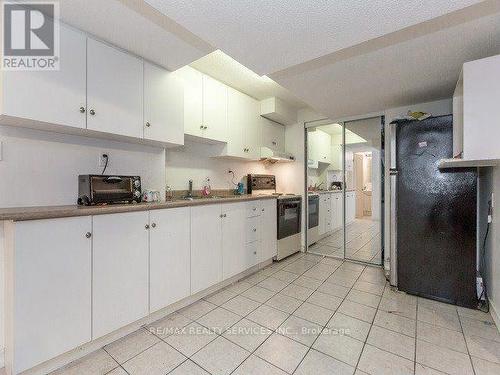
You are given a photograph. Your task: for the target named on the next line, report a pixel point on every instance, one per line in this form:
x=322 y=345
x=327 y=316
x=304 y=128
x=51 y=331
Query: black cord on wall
x=485 y=306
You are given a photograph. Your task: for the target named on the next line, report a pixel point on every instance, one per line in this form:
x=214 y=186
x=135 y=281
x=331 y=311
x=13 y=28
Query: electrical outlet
x=102 y=160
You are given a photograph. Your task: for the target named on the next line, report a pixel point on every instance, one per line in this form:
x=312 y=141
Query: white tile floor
x=307 y=315
x=363 y=242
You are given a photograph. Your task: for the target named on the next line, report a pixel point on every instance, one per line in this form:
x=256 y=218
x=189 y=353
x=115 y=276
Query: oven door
x=289 y=217
x=313 y=210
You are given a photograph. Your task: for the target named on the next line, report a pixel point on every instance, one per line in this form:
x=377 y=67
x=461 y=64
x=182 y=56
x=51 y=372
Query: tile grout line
x=329 y=320
x=466 y=344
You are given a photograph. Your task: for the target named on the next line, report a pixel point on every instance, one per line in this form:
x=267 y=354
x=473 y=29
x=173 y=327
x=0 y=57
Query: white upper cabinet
x=205 y=105
x=476 y=128
x=55 y=97
x=319 y=146
x=120 y=271
x=170 y=256
x=193 y=100
x=244 y=126
x=214 y=109
x=273 y=135
x=114 y=91
x=163 y=105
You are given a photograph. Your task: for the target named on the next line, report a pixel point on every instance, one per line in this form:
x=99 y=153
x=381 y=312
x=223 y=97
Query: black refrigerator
x=435 y=214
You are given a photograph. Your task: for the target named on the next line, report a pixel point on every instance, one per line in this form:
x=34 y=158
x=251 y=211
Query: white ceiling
x=225 y=69
x=135 y=26
x=418 y=70
x=268 y=36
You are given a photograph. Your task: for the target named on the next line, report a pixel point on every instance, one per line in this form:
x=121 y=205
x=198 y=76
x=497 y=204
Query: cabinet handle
x=255 y=208
x=148 y=124
x=225 y=215
x=255 y=229
x=205 y=127
x=254 y=253
x=274 y=143
x=82 y=109
x=153 y=225
x=202 y=127
x=146 y=226
x=88 y=234
x=92 y=112
x=263 y=210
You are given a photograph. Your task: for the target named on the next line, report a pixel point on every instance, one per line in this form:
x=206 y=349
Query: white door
x=234 y=257
x=170 y=256
x=120 y=270
x=206 y=247
x=163 y=105
x=193 y=100
x=114 y=90
x=214 y=109
x=273 y=135
x=51 y=270
x=57 y=97
x=268 y=230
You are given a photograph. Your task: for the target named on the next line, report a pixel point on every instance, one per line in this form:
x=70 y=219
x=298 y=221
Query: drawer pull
x=88 y=234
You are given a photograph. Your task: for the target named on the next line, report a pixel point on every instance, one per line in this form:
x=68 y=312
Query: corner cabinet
x=120 y=271
x=54 y=97
x=48 y=268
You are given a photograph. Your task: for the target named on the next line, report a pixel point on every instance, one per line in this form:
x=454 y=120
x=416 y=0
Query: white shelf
x=467 y=163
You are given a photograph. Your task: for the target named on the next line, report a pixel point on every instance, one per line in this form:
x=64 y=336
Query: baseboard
x=494 y=314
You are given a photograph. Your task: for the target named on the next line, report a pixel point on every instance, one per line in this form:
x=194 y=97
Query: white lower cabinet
x=268 y=231
x=206 y=247
x=120 y=271
x=169 y=256
x=350 y=201
x=234 y=257
x=48 y=272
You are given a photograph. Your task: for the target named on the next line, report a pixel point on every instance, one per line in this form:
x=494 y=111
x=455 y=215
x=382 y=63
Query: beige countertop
x=330 y=191
x=52 y=212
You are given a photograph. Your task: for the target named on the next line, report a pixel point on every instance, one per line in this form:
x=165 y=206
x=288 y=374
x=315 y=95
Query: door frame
x=342 y=121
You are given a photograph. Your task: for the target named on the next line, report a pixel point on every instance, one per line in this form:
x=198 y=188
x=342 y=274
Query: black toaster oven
x=100 y=189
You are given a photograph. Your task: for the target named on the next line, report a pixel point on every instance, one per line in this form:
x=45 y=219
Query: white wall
x=489 y=183
x=436 y=108
x=41 y=168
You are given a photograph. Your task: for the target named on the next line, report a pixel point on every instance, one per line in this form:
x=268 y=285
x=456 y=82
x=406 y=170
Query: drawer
x=252 y=229
x=253 y=208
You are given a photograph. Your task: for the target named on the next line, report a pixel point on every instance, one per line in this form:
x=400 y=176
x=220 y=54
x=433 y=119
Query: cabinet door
x=234 y=257
x=169 y=256
x=322 y=214
x=214 y=109
x=51 y=96
x=193 y=100
x=253 y=130
x=120 y=270
x=51 y=270
x=163 y=105
x=268 y=230
x=328 y=219
x=114 y=90
x=237 y=112
x=273 y=135
x=206 y=247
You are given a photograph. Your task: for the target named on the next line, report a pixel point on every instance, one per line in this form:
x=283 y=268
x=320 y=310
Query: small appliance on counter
x=336 y=185
x=101 y=189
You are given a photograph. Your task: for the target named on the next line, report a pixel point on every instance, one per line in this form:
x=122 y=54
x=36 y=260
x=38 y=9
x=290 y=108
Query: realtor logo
x=30 y=35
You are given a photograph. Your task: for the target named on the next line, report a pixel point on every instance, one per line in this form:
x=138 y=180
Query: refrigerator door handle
x=393 y=172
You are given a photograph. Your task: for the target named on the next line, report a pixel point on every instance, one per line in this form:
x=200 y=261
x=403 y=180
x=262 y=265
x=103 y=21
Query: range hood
x=269 y=155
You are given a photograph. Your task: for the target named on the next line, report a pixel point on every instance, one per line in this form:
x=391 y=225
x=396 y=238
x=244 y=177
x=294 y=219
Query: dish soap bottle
x=206 y=189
